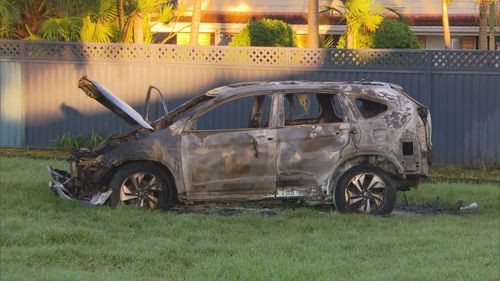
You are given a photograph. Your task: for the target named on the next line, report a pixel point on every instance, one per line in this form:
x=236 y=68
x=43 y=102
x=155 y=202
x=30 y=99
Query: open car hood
x=112 y=102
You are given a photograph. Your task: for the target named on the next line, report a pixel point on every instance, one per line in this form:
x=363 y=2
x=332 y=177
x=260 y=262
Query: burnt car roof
x=378 y=89
x=246 y=87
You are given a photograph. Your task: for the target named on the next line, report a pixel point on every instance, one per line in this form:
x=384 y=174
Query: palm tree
x=22 y=19
x=483 y=24
x=313 y=24
x=491 y=23
x=195 y=22
x=446 y=24
x=137 y=28
x=361 y=17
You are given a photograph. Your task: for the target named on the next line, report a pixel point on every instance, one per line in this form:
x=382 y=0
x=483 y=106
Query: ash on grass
x=262 y=207
x=267 y=208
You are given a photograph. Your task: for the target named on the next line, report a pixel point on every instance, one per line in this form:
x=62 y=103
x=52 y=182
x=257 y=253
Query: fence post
x=428 y=74
x=288 y=63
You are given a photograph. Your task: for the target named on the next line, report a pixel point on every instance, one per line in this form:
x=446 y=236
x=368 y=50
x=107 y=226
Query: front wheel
x=365 y=189
x=142 y=185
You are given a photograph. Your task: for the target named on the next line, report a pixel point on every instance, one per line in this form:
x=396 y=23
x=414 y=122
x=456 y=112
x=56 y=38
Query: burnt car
x=355 y=143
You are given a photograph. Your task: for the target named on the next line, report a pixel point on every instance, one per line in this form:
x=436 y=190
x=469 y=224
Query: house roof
x=301 y=18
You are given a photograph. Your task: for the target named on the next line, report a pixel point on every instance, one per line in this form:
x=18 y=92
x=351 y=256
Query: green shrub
x=68 y=141
x=364 y=41
x=395 y=34
x=265 y=32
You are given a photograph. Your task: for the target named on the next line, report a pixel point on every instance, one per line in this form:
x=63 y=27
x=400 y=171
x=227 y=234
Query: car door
x=311 y=136
x=230 y=150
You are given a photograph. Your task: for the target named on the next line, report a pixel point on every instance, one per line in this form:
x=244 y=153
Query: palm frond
x=149 y=6
x=325 y=6
x=103 y=11
x=166 y=14
x=9 y=15
x=61 y=29
x=396 y=11
x=100 y=32
x=326 y=41
x=31 y=36
x=50 y=29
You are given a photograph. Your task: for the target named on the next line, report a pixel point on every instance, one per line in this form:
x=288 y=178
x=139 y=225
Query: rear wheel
x=142 y=185
x=365 y=189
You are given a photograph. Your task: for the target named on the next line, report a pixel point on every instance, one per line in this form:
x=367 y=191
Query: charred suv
x=356 y=143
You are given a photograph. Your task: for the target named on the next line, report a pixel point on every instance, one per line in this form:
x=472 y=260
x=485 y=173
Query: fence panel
x=39 y=85
x=12 y=124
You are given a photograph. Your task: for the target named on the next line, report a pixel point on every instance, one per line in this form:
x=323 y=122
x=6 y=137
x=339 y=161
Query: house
x=221 y=19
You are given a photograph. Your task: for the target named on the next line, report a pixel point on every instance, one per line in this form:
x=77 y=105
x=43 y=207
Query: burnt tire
x=143 y=185
x=365 y=189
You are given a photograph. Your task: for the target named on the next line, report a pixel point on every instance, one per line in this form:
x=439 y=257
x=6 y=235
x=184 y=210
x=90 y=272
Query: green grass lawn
x=44 y=238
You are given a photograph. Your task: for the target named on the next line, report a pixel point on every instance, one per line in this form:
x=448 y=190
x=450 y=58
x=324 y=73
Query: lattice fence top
x=255 y=56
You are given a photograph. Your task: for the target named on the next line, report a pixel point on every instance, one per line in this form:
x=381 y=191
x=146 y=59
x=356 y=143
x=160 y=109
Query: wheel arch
x=382 y=161
x=167 y=171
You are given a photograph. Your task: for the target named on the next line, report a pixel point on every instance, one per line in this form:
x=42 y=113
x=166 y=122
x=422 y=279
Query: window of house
x=303 y=109
x=369 y=108
x=204 y=38
x=242 y=113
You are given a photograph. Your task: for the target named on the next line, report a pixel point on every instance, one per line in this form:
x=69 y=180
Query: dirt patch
x=275 y=208
x=264 y=208
x=225 y=211
x=421 y=210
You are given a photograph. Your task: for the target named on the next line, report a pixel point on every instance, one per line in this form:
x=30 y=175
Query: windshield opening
x=172 y=116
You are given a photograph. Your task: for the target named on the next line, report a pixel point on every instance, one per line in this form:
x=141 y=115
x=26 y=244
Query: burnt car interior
x=254 y=109
x=369 y=108
x=312 y=109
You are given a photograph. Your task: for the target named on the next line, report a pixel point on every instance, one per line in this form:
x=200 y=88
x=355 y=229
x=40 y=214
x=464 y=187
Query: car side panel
x=306 y=155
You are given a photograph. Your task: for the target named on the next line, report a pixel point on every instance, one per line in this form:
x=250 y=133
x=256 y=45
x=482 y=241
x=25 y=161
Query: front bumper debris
x=61 y=186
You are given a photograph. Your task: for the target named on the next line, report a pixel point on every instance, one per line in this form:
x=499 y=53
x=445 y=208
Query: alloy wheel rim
x=141 y=189
x=365 y=193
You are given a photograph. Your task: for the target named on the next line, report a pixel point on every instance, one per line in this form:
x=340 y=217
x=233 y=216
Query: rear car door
x=312 y=133
x=230 y=150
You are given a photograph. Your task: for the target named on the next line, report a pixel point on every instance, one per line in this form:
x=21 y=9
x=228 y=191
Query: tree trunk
x=195 y=22
x=313 y=24
x=483 y=24
x=138 y=29
x=121 y=18
x=491 y=23
x=446 y=24
x=349 y=39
